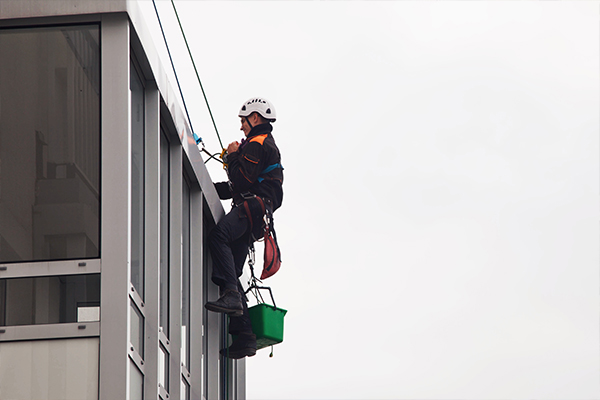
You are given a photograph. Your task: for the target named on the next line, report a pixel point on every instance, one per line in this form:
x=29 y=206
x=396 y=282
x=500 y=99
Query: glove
x=224 y=190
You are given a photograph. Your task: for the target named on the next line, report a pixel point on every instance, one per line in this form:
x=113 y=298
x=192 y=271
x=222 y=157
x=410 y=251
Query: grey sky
x=439 y=231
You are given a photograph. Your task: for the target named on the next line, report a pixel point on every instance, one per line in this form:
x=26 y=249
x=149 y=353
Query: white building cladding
x=104 y=208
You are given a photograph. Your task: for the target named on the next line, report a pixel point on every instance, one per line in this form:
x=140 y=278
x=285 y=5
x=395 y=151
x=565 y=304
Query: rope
x=211 y=156
x=253 y=282
x=196 y=70
x=174 y=71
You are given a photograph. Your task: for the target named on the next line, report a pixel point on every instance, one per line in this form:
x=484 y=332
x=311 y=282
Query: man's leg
x=244 y=344
x=238 y=324
x=230 y=231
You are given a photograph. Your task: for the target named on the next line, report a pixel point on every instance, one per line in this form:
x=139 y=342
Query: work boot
x=243 y=346
x=229 y=303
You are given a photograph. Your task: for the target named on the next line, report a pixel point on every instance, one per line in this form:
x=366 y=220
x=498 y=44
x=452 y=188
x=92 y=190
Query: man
x=255 y=173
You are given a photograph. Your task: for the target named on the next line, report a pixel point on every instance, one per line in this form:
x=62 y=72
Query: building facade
x=105 y=204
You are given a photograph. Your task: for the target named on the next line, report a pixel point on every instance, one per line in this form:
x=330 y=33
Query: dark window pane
x=137 y=182
x=49 y=299
x=49 y=143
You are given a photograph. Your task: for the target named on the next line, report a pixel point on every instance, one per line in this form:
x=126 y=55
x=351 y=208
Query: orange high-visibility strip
x=252 y=161
x=260 y=139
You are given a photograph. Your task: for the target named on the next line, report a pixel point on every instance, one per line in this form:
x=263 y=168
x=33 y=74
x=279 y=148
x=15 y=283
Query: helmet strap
x=248 y=122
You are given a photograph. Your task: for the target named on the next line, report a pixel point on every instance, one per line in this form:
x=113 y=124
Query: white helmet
x=259 y=105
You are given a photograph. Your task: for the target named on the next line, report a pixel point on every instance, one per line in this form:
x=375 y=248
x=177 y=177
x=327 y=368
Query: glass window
x=185 y=276
x=163 y=368
x=185 y=390
x=50 y=300
x=49 y=143
x=136 y=382
x=164 y=273
x=136 y=334
x=137 y=181
x=49 y=369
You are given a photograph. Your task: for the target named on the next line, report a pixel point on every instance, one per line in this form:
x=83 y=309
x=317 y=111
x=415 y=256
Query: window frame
x=76 y=266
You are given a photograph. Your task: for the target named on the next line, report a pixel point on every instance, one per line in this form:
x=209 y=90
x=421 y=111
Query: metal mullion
x=175 y=224
x=212 y=331
x=115 y=129
x=196 y=291
x=152 y=236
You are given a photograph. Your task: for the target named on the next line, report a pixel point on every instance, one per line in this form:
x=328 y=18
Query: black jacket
x=246 y=169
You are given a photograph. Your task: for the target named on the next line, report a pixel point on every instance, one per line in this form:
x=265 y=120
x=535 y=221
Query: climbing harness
x=258 y=213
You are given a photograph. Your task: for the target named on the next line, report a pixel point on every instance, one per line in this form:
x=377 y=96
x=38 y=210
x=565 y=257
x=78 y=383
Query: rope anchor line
x=196 y=137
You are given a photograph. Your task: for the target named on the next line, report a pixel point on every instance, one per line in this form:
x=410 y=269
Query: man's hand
x=233 y=147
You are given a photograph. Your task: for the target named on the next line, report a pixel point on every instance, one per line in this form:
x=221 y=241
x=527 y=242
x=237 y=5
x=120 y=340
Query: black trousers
x=229 y=242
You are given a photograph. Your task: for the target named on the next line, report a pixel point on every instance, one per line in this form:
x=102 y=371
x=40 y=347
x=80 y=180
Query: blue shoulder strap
x=269 y=169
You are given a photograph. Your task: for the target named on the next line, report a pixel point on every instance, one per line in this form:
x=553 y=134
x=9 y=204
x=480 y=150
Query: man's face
x=245 y=127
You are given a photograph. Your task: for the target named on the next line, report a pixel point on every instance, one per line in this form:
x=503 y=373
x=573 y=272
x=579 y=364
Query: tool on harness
x=223 y=157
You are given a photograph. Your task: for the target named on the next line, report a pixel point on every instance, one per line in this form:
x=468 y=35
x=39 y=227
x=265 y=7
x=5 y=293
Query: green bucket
x=267 y=324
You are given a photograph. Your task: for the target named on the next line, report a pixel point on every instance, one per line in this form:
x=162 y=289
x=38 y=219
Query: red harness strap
x=272 y=254
x=249 y=214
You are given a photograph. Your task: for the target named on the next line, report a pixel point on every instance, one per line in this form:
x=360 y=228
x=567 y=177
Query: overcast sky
x=440 y=226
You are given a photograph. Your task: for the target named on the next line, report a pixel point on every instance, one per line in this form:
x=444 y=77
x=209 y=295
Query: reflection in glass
x=164 y=272
x=137 y=182
x=49 y=300
x=49 y=143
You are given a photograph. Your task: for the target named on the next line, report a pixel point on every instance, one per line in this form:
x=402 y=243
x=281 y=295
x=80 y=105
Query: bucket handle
x=258 y=294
